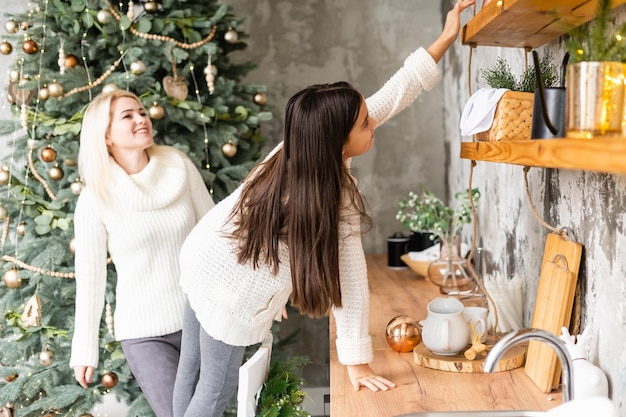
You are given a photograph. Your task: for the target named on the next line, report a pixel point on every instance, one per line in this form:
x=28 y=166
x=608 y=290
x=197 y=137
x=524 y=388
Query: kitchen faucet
x=522 y=335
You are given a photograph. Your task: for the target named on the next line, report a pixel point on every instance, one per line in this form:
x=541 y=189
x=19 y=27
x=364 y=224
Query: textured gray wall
x=296 y=44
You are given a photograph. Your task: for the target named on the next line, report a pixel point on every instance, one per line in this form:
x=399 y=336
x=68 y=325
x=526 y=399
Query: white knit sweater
x=142 y=227
x=237 y=304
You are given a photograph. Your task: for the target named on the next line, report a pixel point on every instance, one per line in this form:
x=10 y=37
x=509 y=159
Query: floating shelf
x=601 y=154
x=527 y=23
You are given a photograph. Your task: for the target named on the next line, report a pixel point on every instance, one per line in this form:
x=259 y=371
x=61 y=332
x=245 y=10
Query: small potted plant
x=426 y=213
x=596 y=73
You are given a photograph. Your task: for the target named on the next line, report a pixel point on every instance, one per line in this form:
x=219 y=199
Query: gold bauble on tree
x=151 y=6
x=14 y=75
x=109 y=380
x=72 y=245
x=10 y=378
x=156 y=112
x=104 y=16
x=231 y=35
x=48 y=154
x=109 y=88
x=43 y=94
x=56 y=173
x=260 y=98
x=138 y=67
x=4 y=176
x=71 y=61
x=6 y=48
x=29 y=47
x=3 y=213
x=55 y=89
x=11 y=26
x=76 y=187
x=21 y=229
x=11 y=279
x=24 y=26
x=229 y=149
x=46 y=357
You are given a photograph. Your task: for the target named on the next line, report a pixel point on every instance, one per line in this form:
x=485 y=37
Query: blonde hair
x=93 y=156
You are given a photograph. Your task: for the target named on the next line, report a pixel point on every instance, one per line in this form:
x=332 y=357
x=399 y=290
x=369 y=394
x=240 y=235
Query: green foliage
x=599 y=40
x=282 y=394
x=501 y=75
x=39 y=206
x=424 y=212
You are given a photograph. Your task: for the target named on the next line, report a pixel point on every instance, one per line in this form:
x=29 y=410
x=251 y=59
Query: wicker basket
x=512 y=120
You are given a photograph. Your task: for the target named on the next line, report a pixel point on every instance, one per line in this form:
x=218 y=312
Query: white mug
x=477 y=316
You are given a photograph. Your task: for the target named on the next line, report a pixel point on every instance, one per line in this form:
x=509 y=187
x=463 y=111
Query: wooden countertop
x=395 y=292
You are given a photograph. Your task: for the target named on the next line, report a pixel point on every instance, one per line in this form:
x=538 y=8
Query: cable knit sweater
x=237 y=304
x=142 y=227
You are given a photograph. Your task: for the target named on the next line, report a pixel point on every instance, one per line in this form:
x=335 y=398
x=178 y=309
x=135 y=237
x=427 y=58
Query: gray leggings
x=208 y=372
x=153 y=362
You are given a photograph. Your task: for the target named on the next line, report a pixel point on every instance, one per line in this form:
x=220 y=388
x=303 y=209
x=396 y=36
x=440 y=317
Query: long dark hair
x=295 y=196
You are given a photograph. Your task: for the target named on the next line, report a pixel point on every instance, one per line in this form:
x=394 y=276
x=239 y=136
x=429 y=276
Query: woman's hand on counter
x=363 y=376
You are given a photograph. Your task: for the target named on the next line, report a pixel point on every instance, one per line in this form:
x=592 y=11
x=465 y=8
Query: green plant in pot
x=424 y=212
x=595 y=76
x=501 y=75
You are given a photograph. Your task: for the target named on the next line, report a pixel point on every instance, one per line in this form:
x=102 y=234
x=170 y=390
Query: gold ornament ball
x=76 y=187
x=29 y=47
x=151 y=6
x=10 y=378
x=156 y=112
x=55 y=173
x=104 y=16
x=43 y=94
x=21 y=229
x=3 y=213
x=11 y=280
x=48 y=154
x=229 y=149
x=11 y=26
x=71 y=61
x=4 y=176
x=260 y=99
x=14 y=75
x=24 y=25
x=231 y=36
x=109 y=380
x=72 y=245
x=46 y=357
x=6 y=48
x=403 y=333
x=138 y=67
x=55 y=89
x=109 y=88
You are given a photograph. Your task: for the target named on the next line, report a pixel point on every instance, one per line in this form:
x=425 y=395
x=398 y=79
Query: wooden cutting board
x=553 y=307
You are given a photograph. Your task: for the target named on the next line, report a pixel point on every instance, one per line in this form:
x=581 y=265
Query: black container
x=396 y=247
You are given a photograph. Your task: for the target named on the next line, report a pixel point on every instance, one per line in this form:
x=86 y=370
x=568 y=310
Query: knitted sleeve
x=202 y=201
x=90 y=267
x=354 y=344
x=419 y=73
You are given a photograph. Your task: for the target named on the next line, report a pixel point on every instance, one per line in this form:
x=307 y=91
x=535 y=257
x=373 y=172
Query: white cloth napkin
x=479 y=110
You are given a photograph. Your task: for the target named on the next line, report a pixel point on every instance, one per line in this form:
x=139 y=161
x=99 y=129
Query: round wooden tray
x=513 y=358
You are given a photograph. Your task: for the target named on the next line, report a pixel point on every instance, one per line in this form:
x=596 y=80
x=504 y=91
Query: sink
x=486 y=413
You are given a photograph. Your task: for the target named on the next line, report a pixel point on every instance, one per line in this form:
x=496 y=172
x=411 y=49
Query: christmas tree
x=174 y=54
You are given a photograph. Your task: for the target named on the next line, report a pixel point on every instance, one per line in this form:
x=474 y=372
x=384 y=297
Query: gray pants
x=153 y=361
x=208 y=372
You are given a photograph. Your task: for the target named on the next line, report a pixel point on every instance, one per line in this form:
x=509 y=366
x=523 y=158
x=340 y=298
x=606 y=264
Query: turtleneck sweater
x=141 y=226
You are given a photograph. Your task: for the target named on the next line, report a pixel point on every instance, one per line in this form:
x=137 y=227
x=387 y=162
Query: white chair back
x=252 y=376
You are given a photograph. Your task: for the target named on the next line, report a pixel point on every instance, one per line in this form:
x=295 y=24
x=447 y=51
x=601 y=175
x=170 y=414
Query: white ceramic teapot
x=445 y=331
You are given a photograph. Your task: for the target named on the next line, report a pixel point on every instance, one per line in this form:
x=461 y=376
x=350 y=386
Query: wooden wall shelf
x=599 y=154
x=527 y=23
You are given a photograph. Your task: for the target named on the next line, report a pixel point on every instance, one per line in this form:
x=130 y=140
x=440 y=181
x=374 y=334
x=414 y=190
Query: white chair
x=252 y=376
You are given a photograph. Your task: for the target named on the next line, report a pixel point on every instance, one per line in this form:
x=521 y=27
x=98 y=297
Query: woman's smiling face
x=130 y=126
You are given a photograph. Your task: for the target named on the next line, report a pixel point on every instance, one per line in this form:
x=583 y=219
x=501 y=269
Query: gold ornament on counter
x=231 y=36
x=11 y=26
x=5 y=48
x=32 y=312
x=138 y=67
x=29 y=47
x=109 y=380
x=403 y=333
x=229 y=149
x=260 y=98
x=56 y=173
x=156 y=112
x=175 y=87
x=11 y=279
x=46 y=357
x=48 y=154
